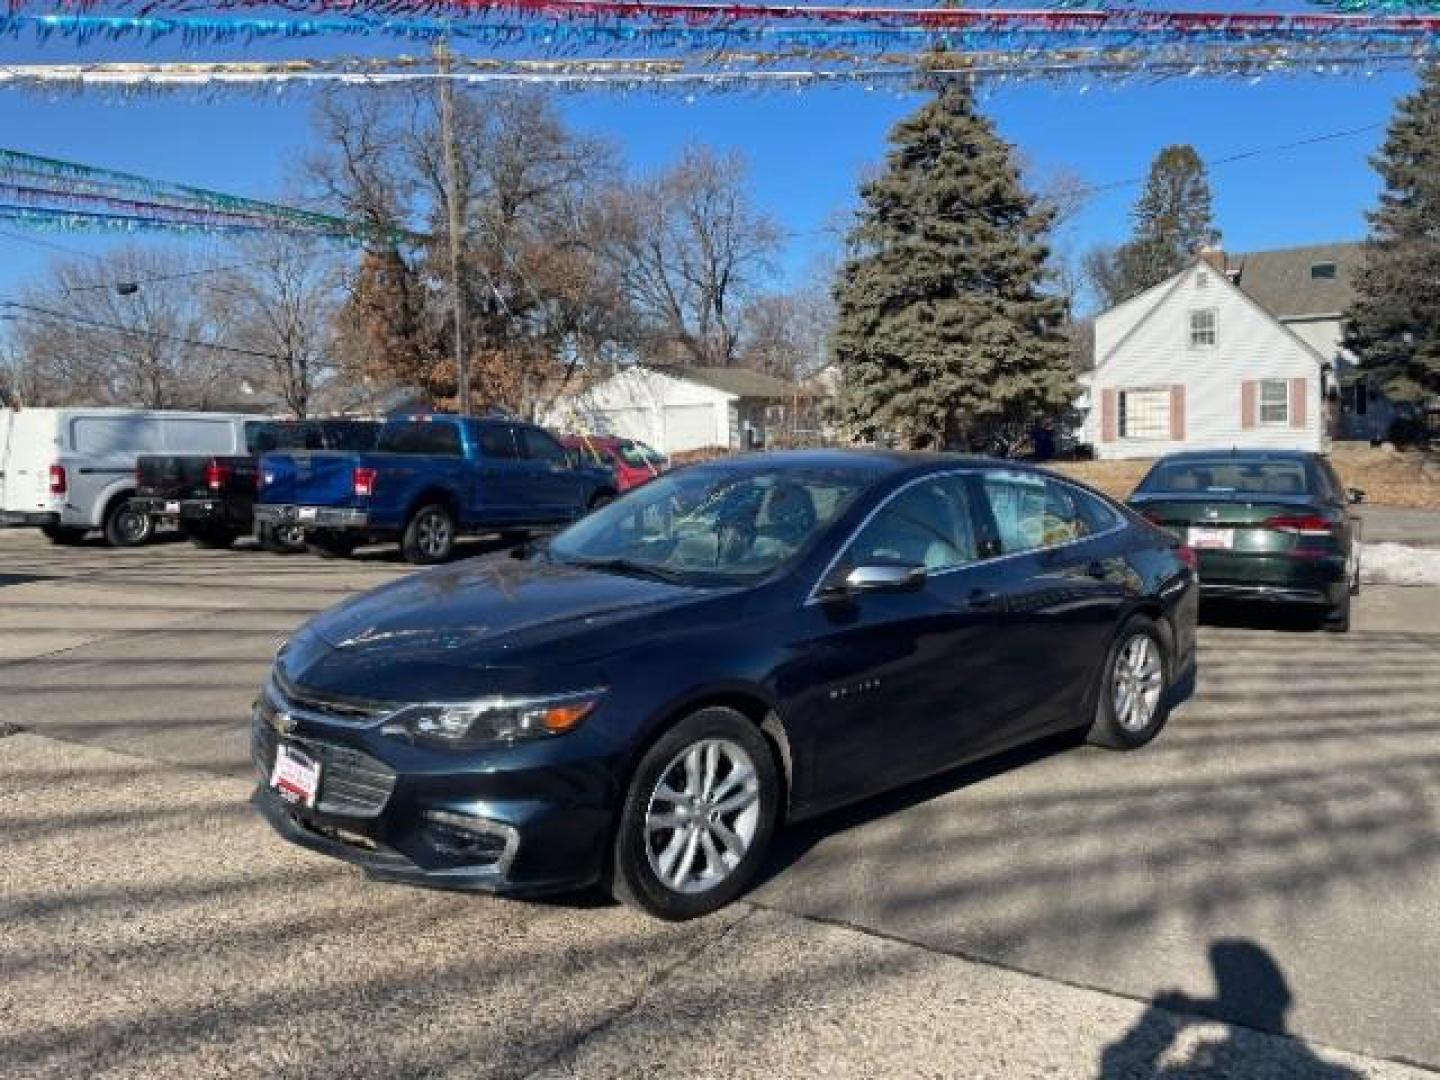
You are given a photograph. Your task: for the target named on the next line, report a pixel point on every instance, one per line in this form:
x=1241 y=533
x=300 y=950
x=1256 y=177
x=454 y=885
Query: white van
x=67 y=471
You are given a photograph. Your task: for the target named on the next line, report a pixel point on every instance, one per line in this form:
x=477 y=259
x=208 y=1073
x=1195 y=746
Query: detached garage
x=675 y=409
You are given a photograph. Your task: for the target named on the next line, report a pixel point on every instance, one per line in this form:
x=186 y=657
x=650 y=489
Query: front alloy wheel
x=698 y=817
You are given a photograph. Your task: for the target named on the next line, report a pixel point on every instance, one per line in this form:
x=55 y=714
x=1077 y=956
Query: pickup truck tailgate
x=308 y=479
x=172 y=477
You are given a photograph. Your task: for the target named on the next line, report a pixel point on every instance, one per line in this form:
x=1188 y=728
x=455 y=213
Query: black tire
x=633 y=876
x=430 y=536
x=599 y=499
x=282 y=540
x=1107 y=729
x=125 y=526
x=330 y=545
x=64 y=535
x=1337 y=621
x=209 y=537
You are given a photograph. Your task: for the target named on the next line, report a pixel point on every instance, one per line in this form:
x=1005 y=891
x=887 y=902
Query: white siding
x=1155 y=352
x=670 y=414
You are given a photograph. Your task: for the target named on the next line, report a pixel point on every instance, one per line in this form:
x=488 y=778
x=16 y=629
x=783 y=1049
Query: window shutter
x=1249 y=403
x=1177 y=412
x=1109 y=414
x=1298 y=395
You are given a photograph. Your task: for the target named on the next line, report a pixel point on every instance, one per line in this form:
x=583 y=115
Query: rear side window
x=1226 y=476
x=421 y=437
x=497 y=441
x=101 y=435
x=541 y=447
x=350 y=436
x=1033 y=512
x=195 y=436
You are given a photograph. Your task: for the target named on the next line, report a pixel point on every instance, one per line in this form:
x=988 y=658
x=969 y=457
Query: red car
x=632 y=462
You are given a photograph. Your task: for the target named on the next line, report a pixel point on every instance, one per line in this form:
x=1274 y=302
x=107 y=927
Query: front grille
x=329 y=710
x=352 y=783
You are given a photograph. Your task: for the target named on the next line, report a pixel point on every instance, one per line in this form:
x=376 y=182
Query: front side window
x=1033 y=512
x=928 y=524
x=541 y=447
x=498 y=441
x=1202 y=328
x=705 y=524
x=1144 y=414
x=1274 y=401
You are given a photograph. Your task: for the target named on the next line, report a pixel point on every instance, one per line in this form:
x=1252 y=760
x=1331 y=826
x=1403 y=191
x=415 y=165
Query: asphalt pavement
x=1255 y=895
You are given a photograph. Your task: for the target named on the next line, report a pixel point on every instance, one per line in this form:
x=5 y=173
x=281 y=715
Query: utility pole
x=454 y=204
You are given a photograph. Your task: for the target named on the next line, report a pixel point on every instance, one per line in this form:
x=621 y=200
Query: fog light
x=474 y=839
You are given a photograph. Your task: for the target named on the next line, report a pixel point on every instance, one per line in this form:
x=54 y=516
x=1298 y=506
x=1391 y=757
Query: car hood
x=482 y=626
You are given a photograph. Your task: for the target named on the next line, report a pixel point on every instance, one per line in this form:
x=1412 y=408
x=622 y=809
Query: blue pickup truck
x=429 y=480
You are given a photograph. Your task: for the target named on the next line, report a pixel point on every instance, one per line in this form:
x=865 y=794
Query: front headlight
x=491 y=721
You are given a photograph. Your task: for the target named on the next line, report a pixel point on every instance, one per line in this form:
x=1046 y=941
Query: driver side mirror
x=1354 y=496
x=876 y=577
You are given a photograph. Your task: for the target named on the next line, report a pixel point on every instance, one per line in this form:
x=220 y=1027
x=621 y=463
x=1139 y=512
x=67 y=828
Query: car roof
x=878 y=460
x=1239 y=454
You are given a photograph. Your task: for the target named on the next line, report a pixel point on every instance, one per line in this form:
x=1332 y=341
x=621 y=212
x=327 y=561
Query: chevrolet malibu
x=641 y=701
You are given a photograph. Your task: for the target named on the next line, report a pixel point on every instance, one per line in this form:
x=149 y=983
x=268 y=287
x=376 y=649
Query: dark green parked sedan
x=1266 y=525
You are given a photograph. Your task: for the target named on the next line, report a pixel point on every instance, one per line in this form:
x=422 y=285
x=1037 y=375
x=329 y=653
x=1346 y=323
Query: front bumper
x=28 y=519
x=516 y=824
x=311 y=517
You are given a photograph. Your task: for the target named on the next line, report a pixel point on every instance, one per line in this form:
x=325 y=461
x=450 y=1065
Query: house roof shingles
x=1282 y=284
x=742 y=382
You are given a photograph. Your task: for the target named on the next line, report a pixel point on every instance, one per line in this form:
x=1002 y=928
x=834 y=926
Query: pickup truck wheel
x=601 y=498
x=430 y=536
x=66 y=536
x=209 y=537
x=282 y=539
x=330 y=545
x=126 y=526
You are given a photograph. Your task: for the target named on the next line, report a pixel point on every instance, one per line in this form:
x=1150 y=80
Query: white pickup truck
x=68 y=471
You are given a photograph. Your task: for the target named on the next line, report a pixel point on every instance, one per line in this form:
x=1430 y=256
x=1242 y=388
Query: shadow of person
x=1176 y=1039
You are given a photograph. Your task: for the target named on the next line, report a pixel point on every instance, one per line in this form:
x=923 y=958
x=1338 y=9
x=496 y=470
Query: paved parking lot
x=1273 y=860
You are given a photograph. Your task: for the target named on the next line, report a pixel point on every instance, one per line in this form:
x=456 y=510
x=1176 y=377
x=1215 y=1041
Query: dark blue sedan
x=641 y=701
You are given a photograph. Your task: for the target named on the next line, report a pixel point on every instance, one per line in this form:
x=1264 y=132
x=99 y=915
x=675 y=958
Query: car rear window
x=420 y=437
x=1226 y=476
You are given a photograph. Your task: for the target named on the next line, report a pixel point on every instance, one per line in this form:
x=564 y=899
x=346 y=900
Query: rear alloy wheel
x=126 y=526
x=1133 y=705
x=430 y=536
x=698 y=817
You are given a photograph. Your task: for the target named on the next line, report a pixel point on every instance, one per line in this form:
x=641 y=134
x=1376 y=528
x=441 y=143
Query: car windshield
x=1225 y=476
x=712 y=523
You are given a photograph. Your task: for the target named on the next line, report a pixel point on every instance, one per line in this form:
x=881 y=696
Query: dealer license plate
x=1212 y=538
x=296 y=776
x=172 y=507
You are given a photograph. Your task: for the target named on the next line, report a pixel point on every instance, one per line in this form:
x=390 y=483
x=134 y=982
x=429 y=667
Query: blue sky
x=806 y=150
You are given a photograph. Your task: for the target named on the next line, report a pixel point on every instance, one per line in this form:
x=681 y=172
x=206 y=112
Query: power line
x=35 y=312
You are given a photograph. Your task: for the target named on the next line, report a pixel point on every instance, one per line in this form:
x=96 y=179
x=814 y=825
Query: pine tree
x=943 y=331
x=1172 y=223
x=1393 y=325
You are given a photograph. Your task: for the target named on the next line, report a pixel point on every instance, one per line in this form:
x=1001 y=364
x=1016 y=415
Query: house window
x=1324 y=271
x=1202 y=279
x=1202 y=328
x=1274 y=401
x=1145 y=414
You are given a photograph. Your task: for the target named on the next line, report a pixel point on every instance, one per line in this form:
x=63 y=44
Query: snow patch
x=1399 y=564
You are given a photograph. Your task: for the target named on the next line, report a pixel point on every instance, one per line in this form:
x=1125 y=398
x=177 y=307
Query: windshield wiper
x=622 y=565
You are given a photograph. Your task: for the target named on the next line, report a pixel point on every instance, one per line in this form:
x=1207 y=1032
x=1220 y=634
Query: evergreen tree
x=1172 y=223
x=1393 y=325
x=943 y=331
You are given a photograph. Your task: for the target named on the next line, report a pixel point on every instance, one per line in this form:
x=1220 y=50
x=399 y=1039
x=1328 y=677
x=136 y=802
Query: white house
x=1197 y=363
x=675 y=409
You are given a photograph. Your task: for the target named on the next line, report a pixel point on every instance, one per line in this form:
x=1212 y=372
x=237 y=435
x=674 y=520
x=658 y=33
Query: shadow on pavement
x=1282 y=618
x=1250 y=989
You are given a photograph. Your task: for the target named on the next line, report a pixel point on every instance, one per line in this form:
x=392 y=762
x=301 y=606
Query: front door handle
x=984 y=599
